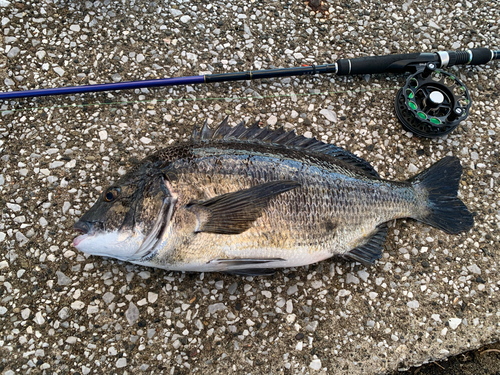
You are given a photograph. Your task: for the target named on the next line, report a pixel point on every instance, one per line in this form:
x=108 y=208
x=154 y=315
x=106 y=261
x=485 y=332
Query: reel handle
x=411 y=62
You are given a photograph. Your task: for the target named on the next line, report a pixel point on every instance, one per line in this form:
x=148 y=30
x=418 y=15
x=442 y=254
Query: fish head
x=128 y=218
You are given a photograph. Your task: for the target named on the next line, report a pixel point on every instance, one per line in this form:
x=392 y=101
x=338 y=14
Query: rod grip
x=383 y=64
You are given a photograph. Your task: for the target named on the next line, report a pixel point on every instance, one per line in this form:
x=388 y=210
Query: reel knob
x=432 y=102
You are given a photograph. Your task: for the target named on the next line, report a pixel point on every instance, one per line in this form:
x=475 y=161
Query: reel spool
x=432 y=103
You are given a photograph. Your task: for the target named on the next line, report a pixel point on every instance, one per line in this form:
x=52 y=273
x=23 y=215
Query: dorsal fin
x=281 y=137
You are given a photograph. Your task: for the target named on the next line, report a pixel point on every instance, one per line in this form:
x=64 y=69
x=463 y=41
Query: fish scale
x=245 y=200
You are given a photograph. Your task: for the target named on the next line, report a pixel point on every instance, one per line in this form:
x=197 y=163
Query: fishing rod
x=432 y=102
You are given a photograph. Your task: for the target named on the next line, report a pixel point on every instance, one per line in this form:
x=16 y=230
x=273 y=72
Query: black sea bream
x=248 y=200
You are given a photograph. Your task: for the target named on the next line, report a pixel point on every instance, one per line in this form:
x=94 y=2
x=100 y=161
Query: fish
x=249 y=200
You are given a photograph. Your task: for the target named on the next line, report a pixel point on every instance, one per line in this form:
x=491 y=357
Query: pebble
x=14 y=51
x=152 y=297
x=77 y=305
x=71 y=340
x=39 y=319
x=103 y=135
x=122 y=362
x=315 y=364
x=216 y=307
x=132 y=313
x=108 y=297
x=454 y=322
x=272 y=120
x=185 y=19
x=14 y=207
x=25 y=313
x=412 y=168
x=474 y=269
x=175 y=12
x=330 y=115
x=413 y=304
x=59 y=70
x=62 y=279
x=63 y=313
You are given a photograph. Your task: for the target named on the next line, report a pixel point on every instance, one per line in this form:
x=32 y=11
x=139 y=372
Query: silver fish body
x=247 y=200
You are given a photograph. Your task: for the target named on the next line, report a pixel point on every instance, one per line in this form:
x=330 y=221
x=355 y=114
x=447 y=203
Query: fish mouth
x=84 y=228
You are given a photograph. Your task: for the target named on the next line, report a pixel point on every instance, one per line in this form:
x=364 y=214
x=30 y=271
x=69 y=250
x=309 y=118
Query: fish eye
x=111 y=194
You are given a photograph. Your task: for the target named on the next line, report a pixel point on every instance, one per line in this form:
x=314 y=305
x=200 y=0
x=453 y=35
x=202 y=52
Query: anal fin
x=371 y=250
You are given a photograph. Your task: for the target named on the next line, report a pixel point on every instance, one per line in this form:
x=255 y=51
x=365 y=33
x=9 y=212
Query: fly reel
x=432 y=102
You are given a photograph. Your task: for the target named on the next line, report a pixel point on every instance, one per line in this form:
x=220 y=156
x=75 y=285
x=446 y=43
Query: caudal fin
x=444 y=210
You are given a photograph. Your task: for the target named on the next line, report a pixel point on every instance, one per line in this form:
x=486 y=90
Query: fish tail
x=444 y=210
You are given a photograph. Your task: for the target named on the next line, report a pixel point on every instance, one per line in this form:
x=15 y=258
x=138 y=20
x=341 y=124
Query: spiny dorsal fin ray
x=280 y=137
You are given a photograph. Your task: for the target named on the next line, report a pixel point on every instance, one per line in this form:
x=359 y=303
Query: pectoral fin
x=234 y=213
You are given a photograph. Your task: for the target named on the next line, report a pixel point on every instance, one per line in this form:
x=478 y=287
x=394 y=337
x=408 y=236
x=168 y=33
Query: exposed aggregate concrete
x=431 y=296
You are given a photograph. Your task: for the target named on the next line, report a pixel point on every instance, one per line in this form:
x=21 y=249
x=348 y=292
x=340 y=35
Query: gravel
x=431 y=296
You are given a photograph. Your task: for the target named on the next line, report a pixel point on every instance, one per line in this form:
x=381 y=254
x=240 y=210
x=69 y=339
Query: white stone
x=185 y=19
x=315 y=364
x=39 y=319
x=103 y=135
x=330 y=115
x=14 y=207
x=412 y=168
x=351 y=279
x=216 y=307
x=112 y=351
x=152 y=297
x=3 y=310
x=62 y=279
x=344 y=292
x=59 y=70
x=474 y=269
x=175 y=12
x=4 y=3
x=25 y=314
x=78 y=305
x=290 y=318
x=64 y=313
x=145 y=140
x=56 y=164
x=272 y=120
x=413 y=304
x=71 y=340
x=454 y=322
x=308 y=134
x=14 y=51
x=436 y=317
x=75 y=28
x=132 y=313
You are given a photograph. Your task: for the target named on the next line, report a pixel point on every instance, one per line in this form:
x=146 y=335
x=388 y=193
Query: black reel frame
x=432 y=103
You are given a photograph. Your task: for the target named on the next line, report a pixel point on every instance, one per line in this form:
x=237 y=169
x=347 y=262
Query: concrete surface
x=431 y=296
